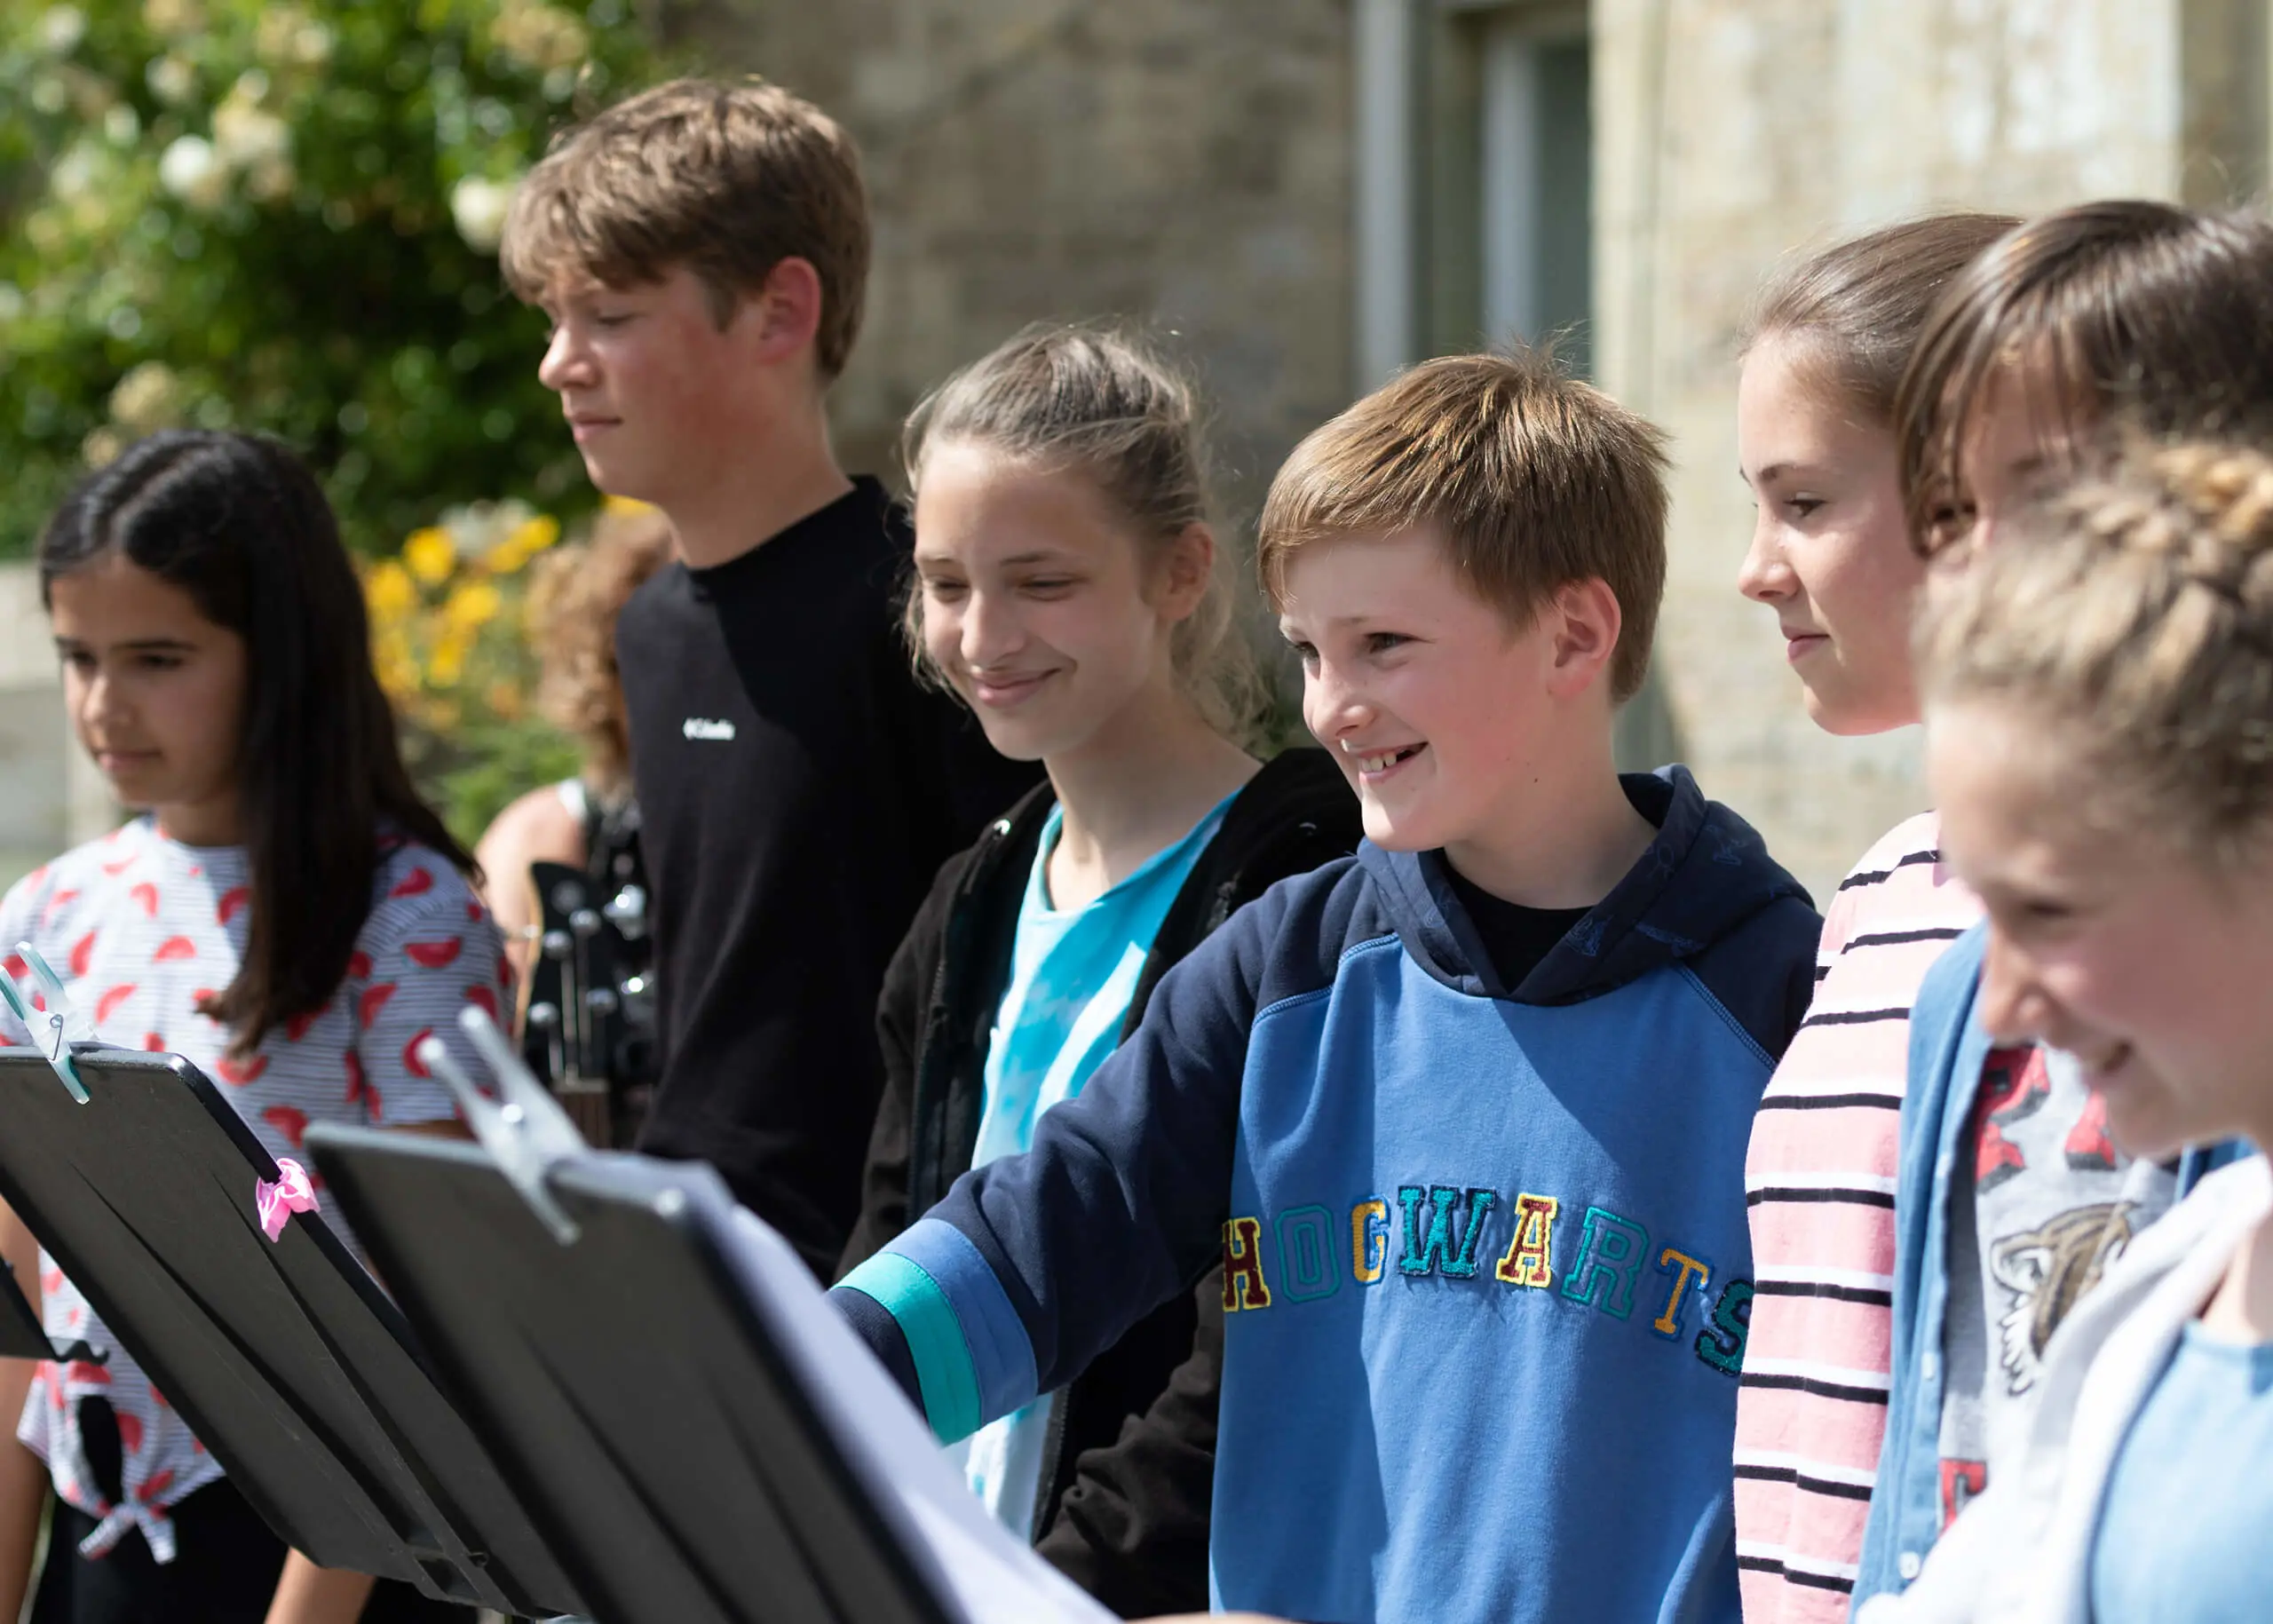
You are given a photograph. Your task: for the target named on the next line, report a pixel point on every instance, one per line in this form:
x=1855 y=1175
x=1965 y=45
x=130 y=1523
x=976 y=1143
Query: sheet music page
x=972 y=1559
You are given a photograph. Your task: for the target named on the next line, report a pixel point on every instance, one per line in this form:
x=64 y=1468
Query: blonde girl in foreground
x=2099 y=702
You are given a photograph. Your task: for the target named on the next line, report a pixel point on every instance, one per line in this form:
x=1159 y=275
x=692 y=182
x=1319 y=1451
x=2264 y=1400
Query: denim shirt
x=1948 y=1047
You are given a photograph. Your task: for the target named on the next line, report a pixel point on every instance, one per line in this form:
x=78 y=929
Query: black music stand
x=602 y=1321
x=285 y=1358
x=22 y=1334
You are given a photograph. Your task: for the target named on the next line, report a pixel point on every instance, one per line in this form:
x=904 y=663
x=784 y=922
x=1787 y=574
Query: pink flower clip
x=290 y=1194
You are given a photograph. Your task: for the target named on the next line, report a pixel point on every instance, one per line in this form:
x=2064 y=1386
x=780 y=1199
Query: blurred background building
x=1313 y=192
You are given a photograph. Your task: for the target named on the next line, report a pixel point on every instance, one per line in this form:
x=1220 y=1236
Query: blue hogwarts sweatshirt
x=1485 y=1253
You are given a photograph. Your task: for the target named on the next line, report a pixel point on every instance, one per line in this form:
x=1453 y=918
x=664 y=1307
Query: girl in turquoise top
x=1070 y=590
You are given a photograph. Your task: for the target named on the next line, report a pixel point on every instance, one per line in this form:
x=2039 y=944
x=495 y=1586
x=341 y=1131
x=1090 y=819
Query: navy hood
x=1706 y=881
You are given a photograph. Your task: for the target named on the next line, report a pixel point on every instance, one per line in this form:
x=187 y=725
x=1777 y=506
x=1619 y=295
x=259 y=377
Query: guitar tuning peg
x=627 y=911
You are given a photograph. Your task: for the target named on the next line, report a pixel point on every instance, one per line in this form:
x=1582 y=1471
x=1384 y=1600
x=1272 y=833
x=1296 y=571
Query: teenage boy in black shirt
x=701 y=250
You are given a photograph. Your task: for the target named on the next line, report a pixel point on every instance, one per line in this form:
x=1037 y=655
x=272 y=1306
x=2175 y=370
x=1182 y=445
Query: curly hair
x=2136 y=608
x=574 y=595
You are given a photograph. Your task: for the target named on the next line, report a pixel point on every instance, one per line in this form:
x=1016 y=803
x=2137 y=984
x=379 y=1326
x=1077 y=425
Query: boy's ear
x=1186 y=568
x=787 y=307
x=1584 y=621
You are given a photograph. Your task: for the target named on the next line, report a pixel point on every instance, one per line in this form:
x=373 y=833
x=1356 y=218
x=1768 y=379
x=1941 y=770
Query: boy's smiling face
x=1431 y=702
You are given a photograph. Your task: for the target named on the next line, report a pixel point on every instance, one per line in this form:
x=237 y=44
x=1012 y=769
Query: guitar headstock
x=590 y=1032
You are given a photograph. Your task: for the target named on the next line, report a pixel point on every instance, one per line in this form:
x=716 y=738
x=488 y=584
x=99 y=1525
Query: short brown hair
x=574 y=595
x=727 y=180
x=2137 y=610
x=1858 y=307
x=2143 y=313
x=1535 y=480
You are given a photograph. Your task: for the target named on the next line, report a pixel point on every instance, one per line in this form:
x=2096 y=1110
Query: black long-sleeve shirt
x=797 y=790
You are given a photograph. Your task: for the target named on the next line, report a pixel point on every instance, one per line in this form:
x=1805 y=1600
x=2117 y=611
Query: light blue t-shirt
x=2183 y=1533
x=1072 y=973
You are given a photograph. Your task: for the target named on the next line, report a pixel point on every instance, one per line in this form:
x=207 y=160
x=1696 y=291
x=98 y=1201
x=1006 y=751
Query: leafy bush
x=283 y=218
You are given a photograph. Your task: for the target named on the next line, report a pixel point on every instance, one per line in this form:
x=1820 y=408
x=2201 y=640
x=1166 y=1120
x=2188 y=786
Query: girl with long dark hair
x=284 y=911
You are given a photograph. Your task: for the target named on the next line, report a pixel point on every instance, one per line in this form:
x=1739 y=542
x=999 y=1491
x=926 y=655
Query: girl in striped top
x=286 y=912
x=1830 y=554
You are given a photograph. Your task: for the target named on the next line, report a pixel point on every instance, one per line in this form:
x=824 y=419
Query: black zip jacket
x=1129 y=1470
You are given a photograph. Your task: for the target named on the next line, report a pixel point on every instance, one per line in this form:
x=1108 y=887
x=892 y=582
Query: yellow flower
x=471 y=604
x=388 y=591
x=431 y=555
x=446 y=664
x=505 y=701
x=396 y=663
x=626 y=507
x=527 y=539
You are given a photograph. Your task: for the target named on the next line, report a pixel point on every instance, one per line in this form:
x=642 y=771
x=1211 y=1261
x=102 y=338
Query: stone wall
x=1180 y=161
x=1729 y=132
x=50 y=795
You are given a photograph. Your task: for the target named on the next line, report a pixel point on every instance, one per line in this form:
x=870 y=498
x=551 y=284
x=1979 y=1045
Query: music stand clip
x=527 y=1135
x=60 y=1027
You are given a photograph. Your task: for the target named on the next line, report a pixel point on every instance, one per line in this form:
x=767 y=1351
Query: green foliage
x=282 y=217
x=480 y=769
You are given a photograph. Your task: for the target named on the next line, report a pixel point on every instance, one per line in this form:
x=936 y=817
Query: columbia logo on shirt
x=707 y=727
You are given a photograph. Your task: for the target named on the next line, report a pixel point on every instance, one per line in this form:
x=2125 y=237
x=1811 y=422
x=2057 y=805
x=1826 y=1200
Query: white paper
x=974 y=1563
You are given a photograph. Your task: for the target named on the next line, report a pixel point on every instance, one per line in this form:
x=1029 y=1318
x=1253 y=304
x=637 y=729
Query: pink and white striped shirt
x=1819 y=1181
x=141 y=928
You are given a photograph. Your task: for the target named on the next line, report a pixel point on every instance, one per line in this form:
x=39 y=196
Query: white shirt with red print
x=142 y=928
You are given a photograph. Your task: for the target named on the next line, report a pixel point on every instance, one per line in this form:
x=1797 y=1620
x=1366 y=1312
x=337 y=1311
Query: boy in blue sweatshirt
x=1463 y=1118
